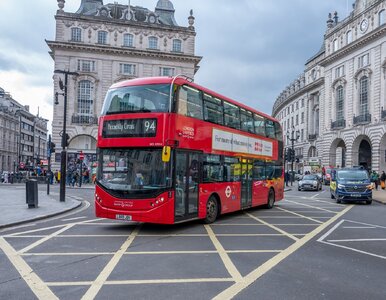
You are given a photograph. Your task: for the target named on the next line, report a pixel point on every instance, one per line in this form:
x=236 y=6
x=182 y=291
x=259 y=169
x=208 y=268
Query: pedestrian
x=374 y=178
x=286 y=178
x=383 y=179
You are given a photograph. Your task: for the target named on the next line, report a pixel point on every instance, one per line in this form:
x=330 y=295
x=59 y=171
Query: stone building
x=343 y=89
x=107 y=43
x=23 y=136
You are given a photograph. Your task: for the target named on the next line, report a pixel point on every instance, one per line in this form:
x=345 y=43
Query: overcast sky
x=252 y=49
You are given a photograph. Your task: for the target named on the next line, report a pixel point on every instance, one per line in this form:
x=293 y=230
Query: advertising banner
x=232 y=142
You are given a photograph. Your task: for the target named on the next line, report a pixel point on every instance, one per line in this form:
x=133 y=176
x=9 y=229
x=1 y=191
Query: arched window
x=177 y=46
x=381 y=17
x=85 y=101
x=153 y=42
x=335 y=45
x=76 y=34
x=339 y=103
x=349 y=37
x=363 y=96
x=128 y=40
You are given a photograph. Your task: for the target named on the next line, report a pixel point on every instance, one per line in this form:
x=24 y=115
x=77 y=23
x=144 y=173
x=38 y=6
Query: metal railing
x=362 y=119
x=88 y=120
x=338 y=124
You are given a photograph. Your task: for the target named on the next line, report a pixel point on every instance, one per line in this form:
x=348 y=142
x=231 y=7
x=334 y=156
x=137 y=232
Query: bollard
x=31 y=189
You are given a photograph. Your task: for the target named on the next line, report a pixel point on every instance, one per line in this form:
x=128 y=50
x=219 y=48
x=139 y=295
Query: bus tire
x=211 y=210
x=271 y=199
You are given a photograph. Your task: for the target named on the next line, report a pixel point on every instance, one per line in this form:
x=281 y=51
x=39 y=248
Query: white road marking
x=37 y=286
x=353 y=249
x=356 y=240
x=358 y=227
x=71 y=219
x=314 y=196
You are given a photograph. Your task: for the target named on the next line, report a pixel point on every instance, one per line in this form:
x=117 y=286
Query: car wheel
x=271 y=199
x=298 y=189
x=368 y=202
x=338 y=200
x=211 y=210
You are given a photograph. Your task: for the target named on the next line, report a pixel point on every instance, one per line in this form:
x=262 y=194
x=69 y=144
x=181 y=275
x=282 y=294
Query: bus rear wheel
x=271 y=199
x=211 y=210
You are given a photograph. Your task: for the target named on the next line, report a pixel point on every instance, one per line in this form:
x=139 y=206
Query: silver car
x=310 y=183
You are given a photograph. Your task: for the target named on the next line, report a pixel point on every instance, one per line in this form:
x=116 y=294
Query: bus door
x=246 y=183
x=187 y=180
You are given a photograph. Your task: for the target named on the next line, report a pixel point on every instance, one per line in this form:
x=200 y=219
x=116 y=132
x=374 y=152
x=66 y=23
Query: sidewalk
x=379 y=196
x=14 y=209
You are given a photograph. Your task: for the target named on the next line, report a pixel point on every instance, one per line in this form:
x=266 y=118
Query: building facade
x=107 y=43
x=344 y=94
x=23 y=142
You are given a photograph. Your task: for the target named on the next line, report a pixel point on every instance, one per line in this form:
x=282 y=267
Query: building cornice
x=105 y=49
x=281 y=104
x=381 y=31
x=71 y=17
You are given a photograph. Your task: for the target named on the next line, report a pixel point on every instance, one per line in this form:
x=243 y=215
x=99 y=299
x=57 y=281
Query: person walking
x=383 y=179
x=375 y=178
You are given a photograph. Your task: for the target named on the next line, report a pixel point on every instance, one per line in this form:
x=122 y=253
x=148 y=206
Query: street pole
x=292 y=139
x=63 y=156
x=49 y=164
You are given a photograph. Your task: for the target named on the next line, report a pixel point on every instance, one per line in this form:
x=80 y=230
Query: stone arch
x=83 y=142
x=362 y=152
x=312 y=152
x=337 y=155
x=382 y=157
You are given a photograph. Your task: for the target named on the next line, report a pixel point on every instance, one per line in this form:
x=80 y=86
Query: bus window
x=246 y=120
x=190 y=102
x=258 y=170
x=213 y=110
x=278 y=132
x=231 y=115
x=146 y=98
x=259 y=124
x=232 y=169
x=269 y=129
x=212 y=169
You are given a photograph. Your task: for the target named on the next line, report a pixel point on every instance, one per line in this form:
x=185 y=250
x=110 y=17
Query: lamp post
x=63 y=156
x=294 y=137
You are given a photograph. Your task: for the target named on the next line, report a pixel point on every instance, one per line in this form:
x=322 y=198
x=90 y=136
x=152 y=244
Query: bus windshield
x=136 y=99
x=133 y=170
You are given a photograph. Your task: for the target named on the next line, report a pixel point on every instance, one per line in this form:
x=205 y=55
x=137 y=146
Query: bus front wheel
x=271 y=199
x=211 y=210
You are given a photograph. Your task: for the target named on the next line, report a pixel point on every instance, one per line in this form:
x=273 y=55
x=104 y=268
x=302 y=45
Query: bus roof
x=181 y=81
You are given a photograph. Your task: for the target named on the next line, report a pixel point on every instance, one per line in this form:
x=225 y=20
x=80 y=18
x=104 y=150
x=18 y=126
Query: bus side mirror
x=166 y=151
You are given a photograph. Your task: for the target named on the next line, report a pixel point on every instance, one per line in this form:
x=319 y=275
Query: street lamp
x=63 y=156
x=294 y=137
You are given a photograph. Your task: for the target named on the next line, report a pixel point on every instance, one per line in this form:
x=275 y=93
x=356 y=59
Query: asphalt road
x=306 y=247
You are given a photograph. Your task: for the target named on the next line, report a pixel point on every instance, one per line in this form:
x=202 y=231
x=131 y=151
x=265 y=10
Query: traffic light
x=52 y=147
x=65 y=140
x=286 y=155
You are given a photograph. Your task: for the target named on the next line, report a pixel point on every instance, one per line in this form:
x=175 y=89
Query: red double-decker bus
x=172 y=151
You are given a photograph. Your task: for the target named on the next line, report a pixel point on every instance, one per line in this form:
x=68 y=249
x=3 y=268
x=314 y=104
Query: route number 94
x=150 y=126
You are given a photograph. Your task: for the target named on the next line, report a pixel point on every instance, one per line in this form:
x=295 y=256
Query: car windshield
x=136 y=99
x=310 y=177
x=133 y=171
x=352 y=175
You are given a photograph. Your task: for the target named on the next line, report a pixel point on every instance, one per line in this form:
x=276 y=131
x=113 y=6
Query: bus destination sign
x=130 y=128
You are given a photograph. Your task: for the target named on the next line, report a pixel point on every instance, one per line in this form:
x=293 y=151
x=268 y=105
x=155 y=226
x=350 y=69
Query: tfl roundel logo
x=228 y=191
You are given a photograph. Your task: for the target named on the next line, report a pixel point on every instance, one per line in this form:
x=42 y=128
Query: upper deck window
x=231 y=115
x=134 y=99
x=213 y=110
x=190 y=102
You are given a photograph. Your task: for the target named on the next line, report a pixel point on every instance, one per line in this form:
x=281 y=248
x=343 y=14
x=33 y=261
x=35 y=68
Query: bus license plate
x=123 y=217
